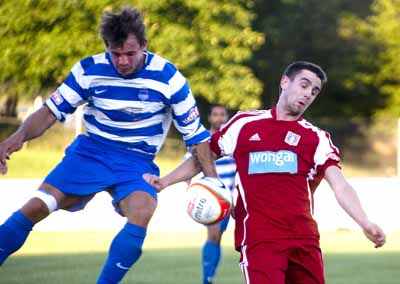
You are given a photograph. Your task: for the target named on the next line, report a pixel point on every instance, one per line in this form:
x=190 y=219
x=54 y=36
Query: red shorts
x=282 y=262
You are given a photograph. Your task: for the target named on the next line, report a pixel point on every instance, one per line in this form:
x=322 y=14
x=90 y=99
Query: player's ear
x=284 y=82
x=144 y=45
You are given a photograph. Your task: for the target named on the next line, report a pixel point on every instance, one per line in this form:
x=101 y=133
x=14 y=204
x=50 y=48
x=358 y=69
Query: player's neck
x=283 y=114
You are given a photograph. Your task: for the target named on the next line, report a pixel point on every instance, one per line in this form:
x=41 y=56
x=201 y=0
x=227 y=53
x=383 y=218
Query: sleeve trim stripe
x=54 y=110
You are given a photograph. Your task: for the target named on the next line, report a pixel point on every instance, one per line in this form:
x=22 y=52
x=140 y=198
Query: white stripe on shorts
x=244 y=265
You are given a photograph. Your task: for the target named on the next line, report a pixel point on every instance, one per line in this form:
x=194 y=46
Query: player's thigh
x=138 y=207
x=306 y=266
x=81 y=173
x=265 y=263
x=63 y=200
x=133 y=197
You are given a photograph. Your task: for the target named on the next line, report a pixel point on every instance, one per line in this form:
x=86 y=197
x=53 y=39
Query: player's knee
x=140 y=216
x=138 y=207
x=39 y=207
x=48 y=201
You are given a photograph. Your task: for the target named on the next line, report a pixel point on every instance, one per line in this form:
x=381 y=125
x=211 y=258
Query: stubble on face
x=299 y=93
x=129 y=57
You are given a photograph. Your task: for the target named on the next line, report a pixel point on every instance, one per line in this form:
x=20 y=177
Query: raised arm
x=205 y=159
x=349 y=201
x=34 y=126
x=187 y=169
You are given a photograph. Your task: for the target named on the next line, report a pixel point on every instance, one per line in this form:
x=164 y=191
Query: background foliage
x=376 y=40
x=208 y=40
x=232 y=52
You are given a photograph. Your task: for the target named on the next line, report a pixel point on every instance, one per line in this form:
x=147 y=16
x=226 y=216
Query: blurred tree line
x=209 y=41
x=357 y=42
x=233 y=52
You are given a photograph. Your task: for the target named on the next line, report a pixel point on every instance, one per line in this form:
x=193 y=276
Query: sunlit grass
x=90 y=241
x=356 y=242
x=34 y=163
x=175 y=258
x=39 y=157
x=29 y=163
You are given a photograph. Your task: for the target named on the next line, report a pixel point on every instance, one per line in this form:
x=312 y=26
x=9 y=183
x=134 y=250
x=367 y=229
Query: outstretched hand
x=3 y=163
x=7 y=147
x=375 y=234
x=155 y=181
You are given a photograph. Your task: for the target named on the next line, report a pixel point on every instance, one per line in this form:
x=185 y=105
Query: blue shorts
x=90 y=166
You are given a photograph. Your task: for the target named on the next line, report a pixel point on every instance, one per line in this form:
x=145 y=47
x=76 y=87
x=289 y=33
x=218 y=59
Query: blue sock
x=211 y=256
x=125 y=250
x=13 y=234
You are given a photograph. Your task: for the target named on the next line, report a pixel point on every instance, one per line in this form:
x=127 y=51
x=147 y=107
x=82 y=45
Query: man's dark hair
x=210 y=109
x=293 y=69
x=116 y=27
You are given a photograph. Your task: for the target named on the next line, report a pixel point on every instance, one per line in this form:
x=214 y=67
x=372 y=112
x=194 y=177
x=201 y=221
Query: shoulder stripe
x=230 y=132
x=100 y=58
x=156 y=63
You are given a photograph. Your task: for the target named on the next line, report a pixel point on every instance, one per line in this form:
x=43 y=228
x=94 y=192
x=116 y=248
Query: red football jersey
x=279 y=166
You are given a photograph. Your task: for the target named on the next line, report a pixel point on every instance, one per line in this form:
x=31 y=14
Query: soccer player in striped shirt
x=281 y=158
x=226 y=169
x=130 y=97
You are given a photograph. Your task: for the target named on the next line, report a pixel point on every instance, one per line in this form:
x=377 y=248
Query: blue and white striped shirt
x=133 y=112
x=226 y=169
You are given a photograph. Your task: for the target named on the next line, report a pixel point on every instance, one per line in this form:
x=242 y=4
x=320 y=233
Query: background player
x=281 y=158
x=226 y=168
x=131 y=96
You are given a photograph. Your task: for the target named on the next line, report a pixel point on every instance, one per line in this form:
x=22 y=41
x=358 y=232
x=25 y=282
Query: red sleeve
x=215 y=138
x=214 y=143
x=321 y=173
x=328 y=164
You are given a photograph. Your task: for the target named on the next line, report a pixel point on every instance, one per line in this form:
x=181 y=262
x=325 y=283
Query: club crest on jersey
x=131 y=110
x=56 y=98
x=143 y=94
x=273 y=162
x=193 y=114
x=292 y=138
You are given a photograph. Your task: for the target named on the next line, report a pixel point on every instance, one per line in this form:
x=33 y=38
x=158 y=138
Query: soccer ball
x=209 y=200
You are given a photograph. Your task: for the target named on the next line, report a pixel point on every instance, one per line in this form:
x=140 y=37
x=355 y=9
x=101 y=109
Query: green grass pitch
x=174 y=258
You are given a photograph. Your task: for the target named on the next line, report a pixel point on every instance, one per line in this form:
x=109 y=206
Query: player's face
x=299 y=93
x=217 y=117
x=129 y=57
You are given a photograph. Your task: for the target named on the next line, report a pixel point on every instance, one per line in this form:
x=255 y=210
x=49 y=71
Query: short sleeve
x=70 y=94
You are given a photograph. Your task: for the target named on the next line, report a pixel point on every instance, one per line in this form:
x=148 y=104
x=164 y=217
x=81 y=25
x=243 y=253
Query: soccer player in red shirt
x=281 y=158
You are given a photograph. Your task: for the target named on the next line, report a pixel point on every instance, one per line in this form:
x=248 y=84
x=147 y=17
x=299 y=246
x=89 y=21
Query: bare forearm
x=184 y=172
x=36 y=124
x=346 y=195
x=204 y=159
x=187 y=169
x=349 y=201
